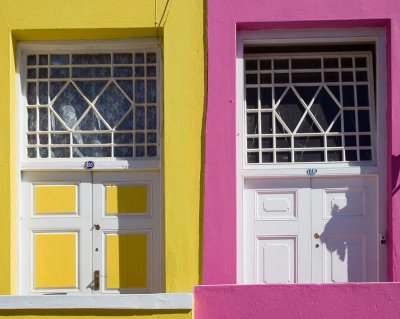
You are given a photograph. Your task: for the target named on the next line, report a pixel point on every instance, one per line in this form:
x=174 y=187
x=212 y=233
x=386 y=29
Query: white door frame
x=376 y=36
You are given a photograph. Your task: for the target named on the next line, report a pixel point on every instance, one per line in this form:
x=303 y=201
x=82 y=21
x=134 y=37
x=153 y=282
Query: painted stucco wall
x=179 y=26
x=367 y=301
x=225 y=18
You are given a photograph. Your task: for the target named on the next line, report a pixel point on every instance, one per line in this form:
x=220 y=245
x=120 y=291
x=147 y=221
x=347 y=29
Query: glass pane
x=140 y=118
x=266 y=142
x=252 y=143
x=283 y=142
x=362 y=95
x=91 y=72
x=361 y=62
x=70 y=105
x=347 y=76
x=266 y=98
x=349 y=121
x=139 y=91
x=331 y=76
x=43 y=119
x=151 y=57
x=151 y=118
x=324 y=109
x=55 y=124
x=43 y=152
x=309 y=77
x=139 y=151
x=281 y=64
x=308 y=126
x=91 y=58
x=139 y=71
x=59 y=59
x=265 y=78
x=281 y=77
x=348 y=96
x=123 y=72
x=92 y=152
x=44 y=139
x=346 y=62
x=32 y=139
x=139 y=58
x=252 y=123
x=290 y=110
x=151 y=91
x=123 y=58
x=31 y=74
x=335 y=156
x=331 y=63
x=252 y=158
x=43 y=73
x=251 y=79
x=151 y=71
x=365 y=140
x=31 y=152
x=55 y=88
x=267 y=157
x=112 y=105
x=283 y=157
x=59 y=152
x=307 y=93
x=139 y=138
x=314 y=63
x=125 y=151
x=60 y=139
x=365 y=155
x=151 y=151
x=251 y=98
x=31 y=119
x=351 y=155
x=59 y=73
x=151 y=137
x=43 y=59
x=31 y=60
x=309 y=141
x=123 y=138
x=334 y=141
x=90 y=89
x=92 y=138
x=362 y=76
x=43 y=93
x=127 y=87
x=350 y=140
x=265 y=64
x=266 y=123
x=31 y=93
x=363 y=121
x=127 y=123
x=309 y=156
x=251 y=65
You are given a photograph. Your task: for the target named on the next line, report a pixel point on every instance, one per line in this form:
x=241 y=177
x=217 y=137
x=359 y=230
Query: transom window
x=102 y=104
x=309 y=107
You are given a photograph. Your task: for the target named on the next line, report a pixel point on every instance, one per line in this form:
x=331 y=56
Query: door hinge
x=96 y=280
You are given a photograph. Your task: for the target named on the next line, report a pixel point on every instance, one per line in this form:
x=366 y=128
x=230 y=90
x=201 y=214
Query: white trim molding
x=165 y=301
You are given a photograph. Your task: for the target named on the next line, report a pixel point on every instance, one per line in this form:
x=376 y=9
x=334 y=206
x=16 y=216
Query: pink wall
x=349 y=301
x=225 y=17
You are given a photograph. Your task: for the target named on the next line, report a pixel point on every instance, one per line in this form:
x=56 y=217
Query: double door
x=90 y=232
x=311 y=230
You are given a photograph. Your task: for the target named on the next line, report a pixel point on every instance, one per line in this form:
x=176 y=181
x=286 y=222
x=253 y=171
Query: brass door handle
x=96 y=280
x=96 y=226
x=317 y=235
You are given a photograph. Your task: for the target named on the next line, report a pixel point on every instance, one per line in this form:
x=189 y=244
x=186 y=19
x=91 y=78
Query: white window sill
x=144 y=302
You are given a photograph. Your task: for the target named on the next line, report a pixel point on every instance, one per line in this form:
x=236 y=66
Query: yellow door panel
x=126 y=261
x=55 y=260
x=57 y=199
x=126 y=200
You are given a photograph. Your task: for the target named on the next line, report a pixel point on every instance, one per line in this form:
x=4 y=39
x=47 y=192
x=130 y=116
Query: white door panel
x=301 y=230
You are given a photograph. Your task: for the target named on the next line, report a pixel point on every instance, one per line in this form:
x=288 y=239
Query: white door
x=91 y=232
x=302 y=230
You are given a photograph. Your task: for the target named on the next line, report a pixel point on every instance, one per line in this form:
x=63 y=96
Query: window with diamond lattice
x=92 y=105
x=315 y=107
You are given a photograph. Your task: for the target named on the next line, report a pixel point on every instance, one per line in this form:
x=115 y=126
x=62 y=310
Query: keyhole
x=96 y=249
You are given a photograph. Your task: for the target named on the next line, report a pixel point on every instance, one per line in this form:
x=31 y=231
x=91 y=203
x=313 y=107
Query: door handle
x=96 y=280
x=317 y=235
x=96 y=226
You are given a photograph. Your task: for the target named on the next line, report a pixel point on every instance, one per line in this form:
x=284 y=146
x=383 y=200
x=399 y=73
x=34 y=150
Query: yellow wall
x=179 y=24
